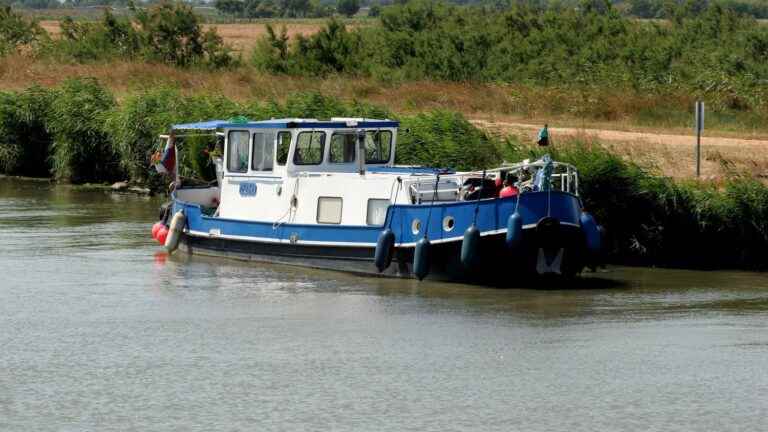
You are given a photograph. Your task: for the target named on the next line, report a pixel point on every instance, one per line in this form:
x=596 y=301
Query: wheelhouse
x=290 y=146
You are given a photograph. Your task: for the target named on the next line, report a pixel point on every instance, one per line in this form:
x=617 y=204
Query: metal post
x=699 y=125
x=698 y=153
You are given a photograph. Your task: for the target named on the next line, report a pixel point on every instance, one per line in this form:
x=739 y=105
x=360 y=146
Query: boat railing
x=563 y=177
x=425 y=189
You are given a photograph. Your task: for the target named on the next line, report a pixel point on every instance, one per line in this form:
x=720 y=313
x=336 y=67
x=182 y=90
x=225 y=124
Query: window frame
x=322 y=148
x=330 y=145
x=389 y=153
x=368 y=210
x=277 y=146
x=266 y=141
x=229 y=150
x=341 y=209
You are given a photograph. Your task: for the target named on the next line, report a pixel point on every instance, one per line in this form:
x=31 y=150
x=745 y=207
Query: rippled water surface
x=97 y=332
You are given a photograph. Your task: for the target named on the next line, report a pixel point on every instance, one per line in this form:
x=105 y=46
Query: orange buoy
x=155 y=228
x=162 y=234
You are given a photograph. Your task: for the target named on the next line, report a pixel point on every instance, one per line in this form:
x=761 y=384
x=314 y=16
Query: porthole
x=415 y=226
x=448 y=223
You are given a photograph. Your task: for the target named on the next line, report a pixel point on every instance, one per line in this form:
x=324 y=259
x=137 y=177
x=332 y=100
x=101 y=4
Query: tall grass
x=82 y=150
x=24 y=141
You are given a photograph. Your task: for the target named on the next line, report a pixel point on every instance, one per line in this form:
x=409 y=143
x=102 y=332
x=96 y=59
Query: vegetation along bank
x=78 y=132
x=589 y=62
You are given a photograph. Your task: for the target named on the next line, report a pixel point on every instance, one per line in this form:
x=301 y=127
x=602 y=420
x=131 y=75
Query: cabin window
x=342 y=148
x=329 y=210
x=377 y=211
x=309 y=148
x=378 y=147
x=263 y=149
x=283 y=146
x=237 y=147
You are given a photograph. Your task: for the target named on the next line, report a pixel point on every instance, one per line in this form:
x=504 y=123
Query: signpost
x=699 y=128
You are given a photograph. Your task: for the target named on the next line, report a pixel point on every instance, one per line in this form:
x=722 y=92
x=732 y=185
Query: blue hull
x=351 y=248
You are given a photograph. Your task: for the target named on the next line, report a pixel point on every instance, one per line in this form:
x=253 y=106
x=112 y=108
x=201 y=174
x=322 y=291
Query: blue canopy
x=206 y=125
x=287 y=124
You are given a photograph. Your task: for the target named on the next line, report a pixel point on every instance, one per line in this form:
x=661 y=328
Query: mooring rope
x=291 y=207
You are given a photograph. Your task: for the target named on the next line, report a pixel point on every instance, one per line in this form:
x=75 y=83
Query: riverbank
x=118 y=187
x=80 y=133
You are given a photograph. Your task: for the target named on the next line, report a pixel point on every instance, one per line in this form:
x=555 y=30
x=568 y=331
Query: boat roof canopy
x=289 y=123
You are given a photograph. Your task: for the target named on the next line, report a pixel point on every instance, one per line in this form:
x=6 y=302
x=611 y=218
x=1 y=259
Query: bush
x=134 y=127
x=348 y=7
x=90 y=41
x=24 y=142
x=168 y=32
x=445 y=139
x=82 y=150
x=313 y=105
x=16 y=31
x=330 y=50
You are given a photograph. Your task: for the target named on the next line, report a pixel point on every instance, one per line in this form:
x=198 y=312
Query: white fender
x=174 y=233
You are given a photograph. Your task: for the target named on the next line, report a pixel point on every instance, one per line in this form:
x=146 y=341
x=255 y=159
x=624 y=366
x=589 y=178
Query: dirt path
x=622 y=136
x=672 y=154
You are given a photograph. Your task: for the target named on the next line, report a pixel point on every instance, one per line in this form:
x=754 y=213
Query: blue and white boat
x=327 y=194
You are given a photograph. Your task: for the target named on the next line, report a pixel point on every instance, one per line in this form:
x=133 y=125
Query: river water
x=97 y=332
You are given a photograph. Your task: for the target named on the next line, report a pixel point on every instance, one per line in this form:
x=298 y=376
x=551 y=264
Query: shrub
x=168 y=32
x=445 y=139
x=24 y=142
x=134 y=127
x=16 y=31
x=348 y=7
x=90 y=41
x=313 y=105
x=82 y=150
x=330 y=50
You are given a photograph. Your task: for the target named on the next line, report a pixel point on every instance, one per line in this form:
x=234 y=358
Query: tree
x=294 y=8
x=16 y=31
x=348 y=7
x=260 y=9
x=232 y=8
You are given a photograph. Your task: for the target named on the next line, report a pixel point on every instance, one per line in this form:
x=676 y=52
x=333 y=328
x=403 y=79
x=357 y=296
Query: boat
x=327 y=194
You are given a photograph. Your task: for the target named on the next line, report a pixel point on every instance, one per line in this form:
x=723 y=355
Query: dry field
x=240 y=36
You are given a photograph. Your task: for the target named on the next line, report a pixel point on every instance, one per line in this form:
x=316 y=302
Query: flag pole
x=172 y=142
